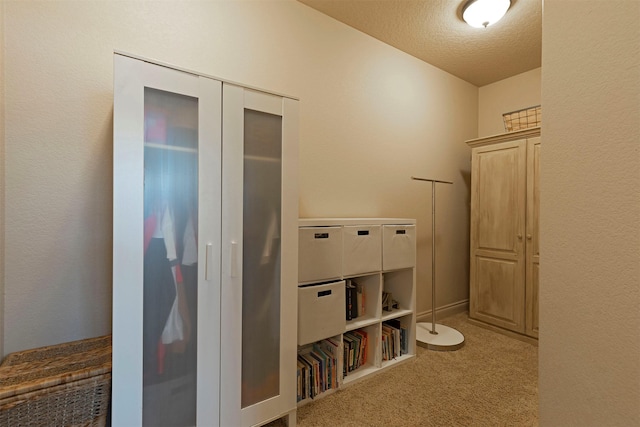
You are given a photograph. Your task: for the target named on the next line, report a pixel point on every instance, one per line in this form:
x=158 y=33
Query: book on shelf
x=354 y=346
x=303 y=380
x=396 y=343
x=355 y=300
x=313 y=374
x=327 y=368
x=402 y=334
x=357 y=344
x=360 y=300
x=345 y=357
x=331 y=348
x=404 y=341
x=349 y=300
x=391 y=342
x=307 y=377
x=385 y=346
x=317 y=369
x=349 y=348
x=362 y=338
x=320 y=370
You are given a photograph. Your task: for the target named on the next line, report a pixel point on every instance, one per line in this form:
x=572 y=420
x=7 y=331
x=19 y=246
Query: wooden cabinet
x=205 y=250
x=505 y=255
x=376 y=256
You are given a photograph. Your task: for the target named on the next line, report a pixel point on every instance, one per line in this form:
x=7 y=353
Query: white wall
x=590 y=214
x=515 y=93
x=371 y=116
x=2 y=157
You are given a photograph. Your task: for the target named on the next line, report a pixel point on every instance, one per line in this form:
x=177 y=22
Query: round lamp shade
x=482 y=13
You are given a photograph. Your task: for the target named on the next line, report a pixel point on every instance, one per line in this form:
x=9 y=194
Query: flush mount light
x=482 y=13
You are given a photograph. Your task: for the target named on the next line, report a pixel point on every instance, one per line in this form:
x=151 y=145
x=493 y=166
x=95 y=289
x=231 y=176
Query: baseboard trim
x=444 y=311
x=516 y=335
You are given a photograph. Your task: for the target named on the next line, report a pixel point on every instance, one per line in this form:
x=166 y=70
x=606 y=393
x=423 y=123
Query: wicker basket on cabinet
x=522 y=119
x=67 y=384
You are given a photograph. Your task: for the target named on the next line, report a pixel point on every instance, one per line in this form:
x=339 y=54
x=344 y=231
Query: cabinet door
x=497 y=226
x=166 y=240
x=533 y=241
x=260 y=256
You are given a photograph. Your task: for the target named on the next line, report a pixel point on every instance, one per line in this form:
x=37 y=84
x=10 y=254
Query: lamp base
x=445 y=338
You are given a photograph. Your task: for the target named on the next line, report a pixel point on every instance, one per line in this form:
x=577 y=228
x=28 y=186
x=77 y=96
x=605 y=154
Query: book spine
x=349 y=302
x=354 y=302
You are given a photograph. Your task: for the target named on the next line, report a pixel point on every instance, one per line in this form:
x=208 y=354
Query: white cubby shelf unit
x=369 y=259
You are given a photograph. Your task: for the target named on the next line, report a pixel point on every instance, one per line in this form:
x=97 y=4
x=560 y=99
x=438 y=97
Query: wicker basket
x=61 y=385
x=522 y=119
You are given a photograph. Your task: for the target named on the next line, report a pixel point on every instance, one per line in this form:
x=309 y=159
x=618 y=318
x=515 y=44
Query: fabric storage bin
x=362 y=249
x=398 y=246
x=321 y=311
x=319 y=253
x=67 y=384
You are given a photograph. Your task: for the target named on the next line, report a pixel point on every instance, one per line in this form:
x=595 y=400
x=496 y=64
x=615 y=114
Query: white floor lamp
x=435 y=336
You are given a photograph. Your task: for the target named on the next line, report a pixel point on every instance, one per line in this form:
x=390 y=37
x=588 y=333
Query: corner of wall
x=523 y=90
x=590 y=205
x=2 y=183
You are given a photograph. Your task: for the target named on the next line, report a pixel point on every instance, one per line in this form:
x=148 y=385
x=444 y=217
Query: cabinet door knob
x=519 y=236
x=528 y=236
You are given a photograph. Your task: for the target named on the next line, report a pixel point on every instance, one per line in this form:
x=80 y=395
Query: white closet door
x=259 y=259
x=166 y=290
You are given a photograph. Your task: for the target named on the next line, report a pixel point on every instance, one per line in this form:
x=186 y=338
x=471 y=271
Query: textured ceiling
x=433 y=31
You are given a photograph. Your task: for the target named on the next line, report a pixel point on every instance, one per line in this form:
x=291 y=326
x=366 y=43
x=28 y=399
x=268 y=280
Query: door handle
x=234 y=259
x=207 y=259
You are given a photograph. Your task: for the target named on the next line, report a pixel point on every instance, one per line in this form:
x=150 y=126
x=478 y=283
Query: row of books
x=356 y=346
x=355 y=300
x=317 y=369
x=395 y=341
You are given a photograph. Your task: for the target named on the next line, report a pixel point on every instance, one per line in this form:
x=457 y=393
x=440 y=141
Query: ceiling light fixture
x=482 y=13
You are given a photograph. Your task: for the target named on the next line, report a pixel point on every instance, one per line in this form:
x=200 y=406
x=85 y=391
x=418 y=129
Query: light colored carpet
x=491 y=381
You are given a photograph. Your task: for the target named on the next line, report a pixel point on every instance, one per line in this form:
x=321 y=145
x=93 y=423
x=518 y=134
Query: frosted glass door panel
x=167 y=207
x=170 y=258
x=261 y=257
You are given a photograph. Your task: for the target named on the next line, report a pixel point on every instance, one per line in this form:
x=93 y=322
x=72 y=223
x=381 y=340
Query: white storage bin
x=362 y=249
x=319 y=253
x=398 y=246
x=321 y=311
